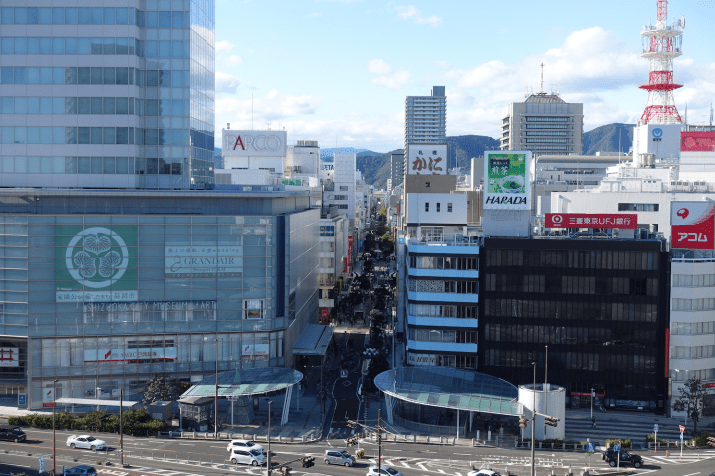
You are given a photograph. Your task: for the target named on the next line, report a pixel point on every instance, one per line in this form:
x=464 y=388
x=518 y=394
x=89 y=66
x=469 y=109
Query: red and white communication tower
x=662 y=43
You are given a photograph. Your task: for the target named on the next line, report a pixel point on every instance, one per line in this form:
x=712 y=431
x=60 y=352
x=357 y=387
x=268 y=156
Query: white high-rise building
x=426 y=118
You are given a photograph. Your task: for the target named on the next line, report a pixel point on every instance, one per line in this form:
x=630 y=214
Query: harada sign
x=96 y=263
x=507 y=180
x=254 y=143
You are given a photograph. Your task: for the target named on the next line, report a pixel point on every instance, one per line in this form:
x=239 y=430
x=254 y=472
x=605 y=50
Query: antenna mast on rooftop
x=661 y=43
x=542 y=78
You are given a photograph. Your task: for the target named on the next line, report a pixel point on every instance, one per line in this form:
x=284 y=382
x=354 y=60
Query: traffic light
x=551 y=421
x=523 y=422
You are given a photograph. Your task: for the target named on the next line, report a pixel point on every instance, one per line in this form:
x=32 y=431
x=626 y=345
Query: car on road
x=12 y=433
x=86 y=442
x=483 y=472
x=384 y=471
x=245 y=445
x=246 y=456
x=81 y=470
x=339 y=457
x=612 y=458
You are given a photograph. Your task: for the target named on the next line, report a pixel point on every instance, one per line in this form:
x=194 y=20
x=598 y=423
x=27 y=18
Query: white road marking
x=692 y=474
x=463 y=454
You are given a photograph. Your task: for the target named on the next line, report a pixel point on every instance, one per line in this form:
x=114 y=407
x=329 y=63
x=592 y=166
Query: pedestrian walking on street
x=593 y=422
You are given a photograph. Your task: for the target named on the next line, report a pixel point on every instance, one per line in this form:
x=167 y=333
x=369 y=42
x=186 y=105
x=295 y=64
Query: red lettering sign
x=350 y=250
x=698 y=236
x=239 y=141
x=591 y=220
x=697 y=141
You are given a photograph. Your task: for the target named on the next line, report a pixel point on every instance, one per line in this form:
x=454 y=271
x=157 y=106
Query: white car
x=384 y=471
x=483 y=472
x=246 y=456
x=86 y=442
x=245 y=445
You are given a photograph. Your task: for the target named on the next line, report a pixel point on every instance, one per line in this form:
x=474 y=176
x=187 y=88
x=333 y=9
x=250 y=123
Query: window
x=343 y=188
x=638 y=207
x=438 y=205
x=449 y=208
x=426 y=184
x=426 y=206
x=253 y=309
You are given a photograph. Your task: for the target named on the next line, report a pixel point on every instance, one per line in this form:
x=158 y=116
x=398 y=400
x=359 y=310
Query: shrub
x=624 y=443
x=701 y=440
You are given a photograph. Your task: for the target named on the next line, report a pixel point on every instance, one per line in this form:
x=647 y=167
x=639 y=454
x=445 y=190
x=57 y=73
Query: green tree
x=691 y=400
x=383 y=211
x=162 y=388
x=387 y=244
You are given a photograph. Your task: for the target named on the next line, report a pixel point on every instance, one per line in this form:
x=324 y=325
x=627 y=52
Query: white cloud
x=443 y=64
x=225 y=83
x=378 y=66
x=233 y=60
x=393 y=81
x=410 y=12
x=223 y=45
x=272 y=107
x=312 y=15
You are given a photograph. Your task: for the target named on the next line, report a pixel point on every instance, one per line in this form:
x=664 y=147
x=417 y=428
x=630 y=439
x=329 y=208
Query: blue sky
x=338 y=70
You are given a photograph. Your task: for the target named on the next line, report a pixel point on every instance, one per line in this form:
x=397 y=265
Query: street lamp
x=54 y=432
x=99 y=390
x=216 y=396
x=121 y=429
x=268 y=462
x=593 y=394
x=533 y=421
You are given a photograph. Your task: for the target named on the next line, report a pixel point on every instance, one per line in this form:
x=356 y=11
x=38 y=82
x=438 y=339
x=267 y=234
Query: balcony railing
x=446 y=240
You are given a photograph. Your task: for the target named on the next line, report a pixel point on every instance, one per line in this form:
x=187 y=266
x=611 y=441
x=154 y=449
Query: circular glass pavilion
x=435 y=396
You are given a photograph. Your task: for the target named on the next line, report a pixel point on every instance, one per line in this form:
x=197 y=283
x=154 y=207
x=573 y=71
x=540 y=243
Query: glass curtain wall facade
x=601 y=307
x=107 y=96
x=110 y=301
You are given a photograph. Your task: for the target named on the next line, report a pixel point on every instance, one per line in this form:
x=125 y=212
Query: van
x=12 y=433
x=340 y=457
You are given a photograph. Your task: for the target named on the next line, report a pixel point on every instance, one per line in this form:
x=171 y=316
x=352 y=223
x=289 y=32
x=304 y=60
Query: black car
x=611 y=457
x=81 y=470
x=12 y=433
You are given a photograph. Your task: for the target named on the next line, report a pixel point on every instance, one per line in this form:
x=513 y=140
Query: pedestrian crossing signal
x=551 y=421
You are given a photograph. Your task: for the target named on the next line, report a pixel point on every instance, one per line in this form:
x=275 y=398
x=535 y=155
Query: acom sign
x=254 y=143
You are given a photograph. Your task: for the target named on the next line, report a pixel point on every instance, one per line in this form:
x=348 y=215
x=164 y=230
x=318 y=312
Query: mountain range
x=375 y=166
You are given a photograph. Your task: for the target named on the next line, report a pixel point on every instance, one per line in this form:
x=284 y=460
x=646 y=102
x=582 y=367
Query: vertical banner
x=350 y=250
x=507 y=180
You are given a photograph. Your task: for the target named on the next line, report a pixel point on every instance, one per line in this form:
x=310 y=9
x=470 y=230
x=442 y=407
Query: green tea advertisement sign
x=96 y=263
x=507 y=180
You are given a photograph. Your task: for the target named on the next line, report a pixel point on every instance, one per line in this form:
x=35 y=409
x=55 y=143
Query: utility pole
x=533 y=422
x=216 y=396
x=121 y=429
x=268 y=462
x=379 y=440
x=546 y=392
x=54 y=430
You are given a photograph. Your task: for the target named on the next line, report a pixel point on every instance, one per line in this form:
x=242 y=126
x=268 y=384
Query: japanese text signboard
x=697 y=141
x=427 y=159
x=591 y=220
x=692 y=225
x=507 y=180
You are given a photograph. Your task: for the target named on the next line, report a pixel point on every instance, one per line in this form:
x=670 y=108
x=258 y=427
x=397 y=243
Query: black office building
x=600 y=305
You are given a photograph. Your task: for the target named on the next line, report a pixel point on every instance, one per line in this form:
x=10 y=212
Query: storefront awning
x=313 y=340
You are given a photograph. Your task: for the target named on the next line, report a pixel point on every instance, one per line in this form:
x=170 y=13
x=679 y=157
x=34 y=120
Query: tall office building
x=426 y=118
x=544 y=124
x=397 y=168
x=107 y=96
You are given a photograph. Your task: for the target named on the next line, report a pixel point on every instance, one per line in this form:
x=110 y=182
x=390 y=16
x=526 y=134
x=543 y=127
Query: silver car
x=339 y=457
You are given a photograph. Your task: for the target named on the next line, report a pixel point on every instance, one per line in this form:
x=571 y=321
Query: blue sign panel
x=21 y=400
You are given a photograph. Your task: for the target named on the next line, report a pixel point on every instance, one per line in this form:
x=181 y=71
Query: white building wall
x=417 y=214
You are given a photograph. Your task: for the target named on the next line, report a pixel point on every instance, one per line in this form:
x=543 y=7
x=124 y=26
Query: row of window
x=571 y=284
x=567 y=335
x=599 y=311
x=438 y=207
x=444 y=262
x=541 y=147
x=96 y=16
x=442 y=310
x=633 y=260
x=547 y=141
x=574 y=361
x=98 y=105
x=683 y=375
x=45 y=45
x=548 y=119
x=93 y=135
x=692 y=328
x=548 y=133
x=87 y=75
x=441 y=360
x=638 y=207
x=548 y=126
x=443 y=286
x=693 y=280
x=340 y=197
x=692 y=352
x=444 y=336
x=93 y=165
x=701 y=304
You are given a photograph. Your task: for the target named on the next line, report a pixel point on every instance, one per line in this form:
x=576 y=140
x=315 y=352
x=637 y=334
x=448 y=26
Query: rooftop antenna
x=542 y=78
x=685 y=115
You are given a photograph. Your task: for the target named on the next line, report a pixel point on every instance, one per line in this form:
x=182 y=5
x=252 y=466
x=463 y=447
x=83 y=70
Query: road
x=160 y=457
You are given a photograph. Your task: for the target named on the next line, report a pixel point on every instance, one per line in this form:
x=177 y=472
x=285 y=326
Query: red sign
x=324 y=312
x=350 y=250
x=697 y=141
x=591 y=220
x=709 y=385
x=698 y=236
x=588 y=394
x=48 y=405
x=682 y=428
